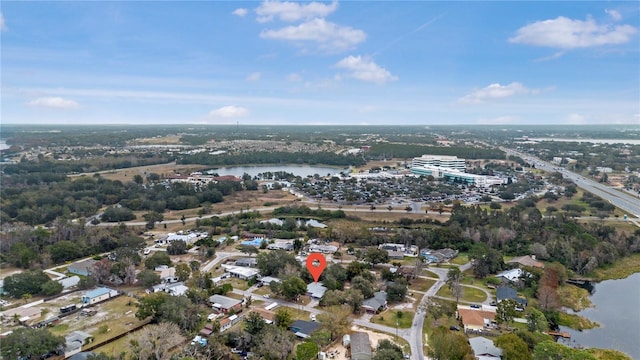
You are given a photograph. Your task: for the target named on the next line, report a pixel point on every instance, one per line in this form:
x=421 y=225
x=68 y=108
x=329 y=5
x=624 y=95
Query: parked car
x=475 y=306
x=266 y=296
x=454 y=328
x=313 y=317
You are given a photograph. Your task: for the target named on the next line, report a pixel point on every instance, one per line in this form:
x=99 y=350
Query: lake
x=3 y=145
x=297 y=170
x=617 y=310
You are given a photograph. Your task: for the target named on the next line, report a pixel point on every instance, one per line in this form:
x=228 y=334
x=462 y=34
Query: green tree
x=183 y=271
x=506 y=311
x=387 y=350
x=148 y=278
x=28 y=282
x=307 y=351
x=254 y=323
x=248 y=249
x=536 y=321
x=149 y=305
x=375 y=256
x=513 y=347
x=273 y=262
x=293 y=287
x=29 y=343
x=51 y=288
x=336 y=320
x=454 y=279
x=448 y=345
x=283 y=318
x=158 y=258
x=397 y=290
x=177 y=248
x=274 y=343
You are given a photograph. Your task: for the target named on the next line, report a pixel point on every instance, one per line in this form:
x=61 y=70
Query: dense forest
x=273 y=157
x=389 y=150
x=41 y=198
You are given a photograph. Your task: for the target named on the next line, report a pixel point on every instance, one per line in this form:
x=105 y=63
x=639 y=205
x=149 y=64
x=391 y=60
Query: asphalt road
x=622 y=200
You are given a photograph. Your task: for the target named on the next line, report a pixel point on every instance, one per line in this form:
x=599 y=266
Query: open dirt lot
x=127 y=174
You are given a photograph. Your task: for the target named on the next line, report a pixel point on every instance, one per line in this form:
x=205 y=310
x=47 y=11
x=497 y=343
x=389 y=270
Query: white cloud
x=325 y=36
x=230 y=111
x=365 y=69
x=293 y=11
x=240 y=12
x=496 y=91
x=54 y=102
x=565 y=33
x=293 y=77
x=254 y=76
x=3 y=26
x=615 y=15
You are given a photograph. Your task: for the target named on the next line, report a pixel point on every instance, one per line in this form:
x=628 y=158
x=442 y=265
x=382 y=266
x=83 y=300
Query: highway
x=622 y=200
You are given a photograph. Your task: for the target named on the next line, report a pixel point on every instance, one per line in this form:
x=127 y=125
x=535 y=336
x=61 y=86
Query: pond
x=297 y=170
x=617 y=310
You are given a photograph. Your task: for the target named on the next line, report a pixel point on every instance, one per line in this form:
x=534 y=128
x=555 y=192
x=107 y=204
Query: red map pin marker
x=316 y=263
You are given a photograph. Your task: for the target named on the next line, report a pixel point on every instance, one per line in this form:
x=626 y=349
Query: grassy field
x=574 y=297
x=619 y=270
x=469 y=294
x=576 y=322
x=421 y=284
x=388 y=318
x=429 y=273
x=461 y=259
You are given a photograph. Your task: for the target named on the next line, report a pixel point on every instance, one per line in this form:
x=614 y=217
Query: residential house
x=22 y=314
x=99 y=294
x=484 y=349
x=324 y=249
x=376 y=303
x=475 y=320
x=510 y=276
x=303 y=329
x=225 y=304
x=360 y=346
x=316 y=290
x=505 y=292
x=84 y=268
x=247 y=262
x=226 y=323
x=75 y=341
x=267 y=280
x=526 y=260
x=281 y=245
x=189 y=238
x=69 y=282
x=241 y=272
x=395 y=255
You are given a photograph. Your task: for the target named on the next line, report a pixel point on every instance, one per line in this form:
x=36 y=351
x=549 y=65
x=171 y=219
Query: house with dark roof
x=83 y=268
x=248 y=262
x=505 y=292
x=484 y=349
x=360 y=346
x=376 y=303
x=303 y=329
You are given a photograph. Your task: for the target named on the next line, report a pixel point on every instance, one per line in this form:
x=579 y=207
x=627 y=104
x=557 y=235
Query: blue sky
x=320 y=63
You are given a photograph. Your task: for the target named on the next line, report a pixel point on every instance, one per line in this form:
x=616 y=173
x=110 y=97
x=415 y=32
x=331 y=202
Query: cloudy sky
x=320 y=63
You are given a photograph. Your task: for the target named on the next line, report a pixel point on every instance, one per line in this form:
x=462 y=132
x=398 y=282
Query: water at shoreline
x=617 y=310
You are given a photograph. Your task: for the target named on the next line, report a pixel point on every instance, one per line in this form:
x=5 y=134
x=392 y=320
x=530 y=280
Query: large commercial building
x=451 y=169
x=443 y=161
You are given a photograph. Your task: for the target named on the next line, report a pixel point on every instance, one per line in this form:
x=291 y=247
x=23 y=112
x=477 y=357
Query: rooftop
x=223 y=301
